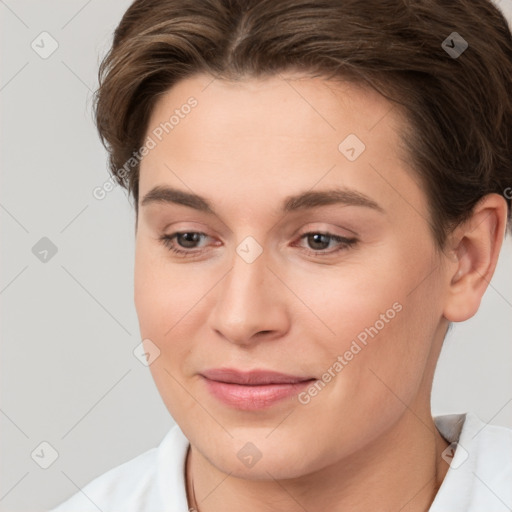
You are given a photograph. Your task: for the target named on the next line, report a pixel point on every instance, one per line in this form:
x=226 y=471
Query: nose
x=250 y=304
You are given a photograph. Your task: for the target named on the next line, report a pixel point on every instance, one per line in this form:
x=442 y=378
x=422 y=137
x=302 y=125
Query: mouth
x=252 y=390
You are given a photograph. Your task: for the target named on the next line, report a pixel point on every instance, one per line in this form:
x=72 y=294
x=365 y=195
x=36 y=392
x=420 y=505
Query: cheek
x=163 y=299
x=341 y=301
x=163 y=292
x=377 y=318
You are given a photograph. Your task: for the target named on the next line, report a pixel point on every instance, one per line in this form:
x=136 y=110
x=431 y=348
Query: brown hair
x=458 y=107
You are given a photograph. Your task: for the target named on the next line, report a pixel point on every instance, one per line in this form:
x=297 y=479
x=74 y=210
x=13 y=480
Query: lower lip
x=251 y=398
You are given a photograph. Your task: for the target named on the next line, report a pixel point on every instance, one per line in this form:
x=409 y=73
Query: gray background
x=69 y=326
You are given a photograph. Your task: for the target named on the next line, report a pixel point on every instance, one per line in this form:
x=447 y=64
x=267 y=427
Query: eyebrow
x=301 y=201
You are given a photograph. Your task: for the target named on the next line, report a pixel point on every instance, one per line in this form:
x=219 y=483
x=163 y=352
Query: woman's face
x=352 y=325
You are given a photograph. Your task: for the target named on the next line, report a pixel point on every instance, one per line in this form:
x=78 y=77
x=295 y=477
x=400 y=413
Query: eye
x=184 y=243
x=186 y=240
x=319 y=242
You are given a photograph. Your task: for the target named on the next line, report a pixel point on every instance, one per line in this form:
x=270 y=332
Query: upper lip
x=252 y=377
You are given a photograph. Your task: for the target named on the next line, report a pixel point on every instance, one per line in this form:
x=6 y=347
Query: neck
x=402 y=470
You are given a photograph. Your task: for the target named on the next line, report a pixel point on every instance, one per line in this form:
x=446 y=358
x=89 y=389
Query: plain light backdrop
x=69 y=327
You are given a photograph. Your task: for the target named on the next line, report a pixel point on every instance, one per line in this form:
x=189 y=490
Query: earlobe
x=476 y=245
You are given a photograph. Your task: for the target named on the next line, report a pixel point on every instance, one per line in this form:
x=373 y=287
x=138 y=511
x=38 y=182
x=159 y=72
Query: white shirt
x=479 y=478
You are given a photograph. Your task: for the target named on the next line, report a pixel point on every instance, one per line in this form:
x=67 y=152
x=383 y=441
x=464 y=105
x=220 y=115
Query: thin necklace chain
x=188 y=476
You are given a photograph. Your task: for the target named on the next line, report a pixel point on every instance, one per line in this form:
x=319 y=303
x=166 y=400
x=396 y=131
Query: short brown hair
x=458 y=107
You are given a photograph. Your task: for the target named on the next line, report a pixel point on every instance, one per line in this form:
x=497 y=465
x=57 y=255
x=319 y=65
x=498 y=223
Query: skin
x=367 y=439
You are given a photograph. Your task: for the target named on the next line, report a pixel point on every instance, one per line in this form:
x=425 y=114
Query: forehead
x=266 y=137
x=271 y=106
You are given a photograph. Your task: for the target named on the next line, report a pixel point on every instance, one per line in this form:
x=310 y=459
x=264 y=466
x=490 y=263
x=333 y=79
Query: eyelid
x=327 y=229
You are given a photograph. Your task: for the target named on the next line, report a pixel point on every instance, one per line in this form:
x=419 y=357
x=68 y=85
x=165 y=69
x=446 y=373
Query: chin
x=267 y=468
x=260 y=459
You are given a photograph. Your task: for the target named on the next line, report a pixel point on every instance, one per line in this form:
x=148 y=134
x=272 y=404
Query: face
x=303 y=310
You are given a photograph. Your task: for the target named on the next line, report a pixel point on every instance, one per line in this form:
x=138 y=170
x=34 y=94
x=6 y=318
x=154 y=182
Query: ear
x=474 y=248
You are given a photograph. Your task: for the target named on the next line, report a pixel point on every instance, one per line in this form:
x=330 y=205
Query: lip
x=252 y=390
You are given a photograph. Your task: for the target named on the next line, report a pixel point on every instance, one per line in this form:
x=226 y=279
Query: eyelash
x=345 y=243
